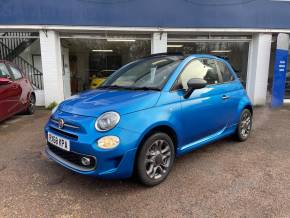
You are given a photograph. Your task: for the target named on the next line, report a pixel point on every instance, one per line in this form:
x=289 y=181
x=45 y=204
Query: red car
x=16 y=92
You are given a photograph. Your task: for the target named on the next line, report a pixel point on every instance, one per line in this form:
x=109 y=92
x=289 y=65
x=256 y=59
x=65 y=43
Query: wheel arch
x=33 y=93
x=244 y=103
x=250 y=107
x=159 y=128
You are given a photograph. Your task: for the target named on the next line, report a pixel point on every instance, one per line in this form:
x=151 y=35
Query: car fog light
x=85 y=161
x=108 y=142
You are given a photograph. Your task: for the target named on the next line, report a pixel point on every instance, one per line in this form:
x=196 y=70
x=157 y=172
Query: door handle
x=225 y=97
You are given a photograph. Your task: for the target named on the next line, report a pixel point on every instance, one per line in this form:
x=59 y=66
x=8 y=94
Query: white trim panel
x=141 y=29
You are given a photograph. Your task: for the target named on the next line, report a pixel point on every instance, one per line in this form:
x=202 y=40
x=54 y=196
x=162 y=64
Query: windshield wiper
x=145 y=88
x=110 y=87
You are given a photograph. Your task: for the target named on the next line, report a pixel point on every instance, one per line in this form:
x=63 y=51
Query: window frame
x=12 y=74
x=173 y=87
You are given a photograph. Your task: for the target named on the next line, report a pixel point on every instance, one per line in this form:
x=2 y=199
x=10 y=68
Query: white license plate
x=58 y=141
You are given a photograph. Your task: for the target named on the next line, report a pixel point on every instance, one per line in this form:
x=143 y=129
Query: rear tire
x=31 y=105
x=155 y=159
x=244 y=126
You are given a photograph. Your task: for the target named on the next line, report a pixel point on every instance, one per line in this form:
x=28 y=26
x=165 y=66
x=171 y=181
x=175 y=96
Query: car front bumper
x=112 y=164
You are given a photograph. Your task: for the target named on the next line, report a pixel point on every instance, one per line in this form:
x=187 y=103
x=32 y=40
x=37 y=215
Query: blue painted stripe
x=279 y=80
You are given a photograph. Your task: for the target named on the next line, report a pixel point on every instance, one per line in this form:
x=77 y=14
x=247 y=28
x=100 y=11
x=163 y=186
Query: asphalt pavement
x=223 y=179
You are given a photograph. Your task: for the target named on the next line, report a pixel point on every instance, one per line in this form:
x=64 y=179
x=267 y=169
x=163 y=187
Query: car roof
x=223 y=59
x=190 y=56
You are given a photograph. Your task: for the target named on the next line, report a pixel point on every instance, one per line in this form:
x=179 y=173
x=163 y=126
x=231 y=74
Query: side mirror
x=4 y=81
x=194 y=84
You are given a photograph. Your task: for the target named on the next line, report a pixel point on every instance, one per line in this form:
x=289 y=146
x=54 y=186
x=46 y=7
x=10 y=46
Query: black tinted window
x=16 y=73
x=4 y=71
x=226 y=74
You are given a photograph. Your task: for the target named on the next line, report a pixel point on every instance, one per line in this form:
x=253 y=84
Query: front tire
x=244 y=126
x=155 y=159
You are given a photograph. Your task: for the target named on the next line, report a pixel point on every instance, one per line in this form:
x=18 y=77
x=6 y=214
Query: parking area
x=224 y=179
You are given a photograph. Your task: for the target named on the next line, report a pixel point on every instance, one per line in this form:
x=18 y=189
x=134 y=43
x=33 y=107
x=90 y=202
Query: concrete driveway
x=224 y=179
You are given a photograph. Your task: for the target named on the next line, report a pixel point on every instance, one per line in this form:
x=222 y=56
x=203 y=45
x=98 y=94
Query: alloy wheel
x=158 y=158
x=246 y=124
x=31 y=106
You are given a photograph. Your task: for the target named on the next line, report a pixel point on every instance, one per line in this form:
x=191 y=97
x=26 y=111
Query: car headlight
x=107 y=121
x=54 y=109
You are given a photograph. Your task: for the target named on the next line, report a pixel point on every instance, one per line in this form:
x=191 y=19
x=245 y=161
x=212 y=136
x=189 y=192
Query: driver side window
x=199 y=69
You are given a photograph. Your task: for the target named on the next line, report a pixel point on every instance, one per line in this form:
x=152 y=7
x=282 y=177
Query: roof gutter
x=138 y=29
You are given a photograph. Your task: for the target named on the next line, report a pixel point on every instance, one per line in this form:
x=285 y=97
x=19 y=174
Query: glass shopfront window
x=235 y=50
x=93 y=58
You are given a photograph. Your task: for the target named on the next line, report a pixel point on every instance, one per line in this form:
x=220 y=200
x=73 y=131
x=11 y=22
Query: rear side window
x=225 y=72
x=4 y=71
x=16 y=73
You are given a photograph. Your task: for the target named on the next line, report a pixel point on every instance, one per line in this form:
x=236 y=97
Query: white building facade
x=61 y=59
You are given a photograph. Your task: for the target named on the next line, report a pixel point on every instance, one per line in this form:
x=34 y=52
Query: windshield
x=150 y=73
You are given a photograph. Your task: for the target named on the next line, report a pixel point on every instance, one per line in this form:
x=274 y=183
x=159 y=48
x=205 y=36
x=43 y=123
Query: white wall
x=39 y=95
x=52 y=67
x=258 y=68
x=159 y=43
x=66 y=72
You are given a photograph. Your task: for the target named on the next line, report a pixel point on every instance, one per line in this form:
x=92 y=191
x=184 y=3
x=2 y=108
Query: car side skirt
x=227 y=131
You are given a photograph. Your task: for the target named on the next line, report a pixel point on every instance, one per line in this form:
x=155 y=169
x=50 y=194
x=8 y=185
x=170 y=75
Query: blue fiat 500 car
x=146 y=114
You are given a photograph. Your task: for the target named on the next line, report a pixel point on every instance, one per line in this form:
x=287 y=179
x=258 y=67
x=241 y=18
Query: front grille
x=66 y=134
x=72 y=157
x=56 y=122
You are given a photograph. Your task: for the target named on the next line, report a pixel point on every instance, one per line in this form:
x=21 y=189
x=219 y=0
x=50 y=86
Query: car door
x=7 y=94
x=204 y=113
x=17 y=88
x=232 y=90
